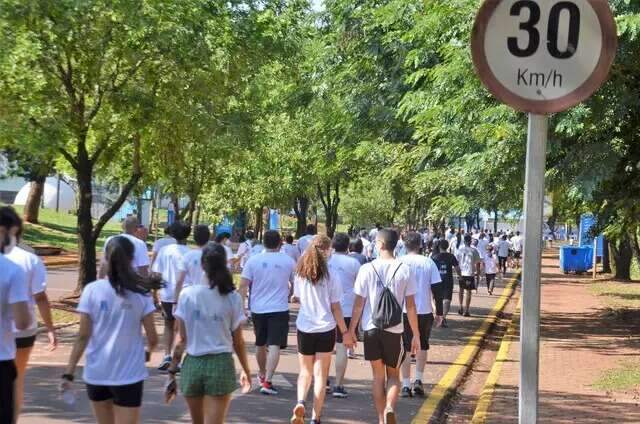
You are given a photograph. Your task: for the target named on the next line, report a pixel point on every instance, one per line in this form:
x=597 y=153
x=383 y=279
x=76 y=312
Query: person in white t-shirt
x=267 y=276
x=320 y=294
x=383 y=347
x=36 y=281
x=224 y=239
x=209 y=318
x=343 y=269
x=305 y=240
x=470 y=266
x=169 y=265
x=140 y=259
x=425 y=274
x=192 y=260
x=290 y=249
x=490 y=268
x=244 y=250
x=503 y=246
x=14 y=315
x=516 y=243
x=482 y=244
x=113 y=312
x=160 y=243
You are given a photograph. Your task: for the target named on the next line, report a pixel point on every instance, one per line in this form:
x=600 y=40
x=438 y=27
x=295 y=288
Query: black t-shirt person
x=445 y=262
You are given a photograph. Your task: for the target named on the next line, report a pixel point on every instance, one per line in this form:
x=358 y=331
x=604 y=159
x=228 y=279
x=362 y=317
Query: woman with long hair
x=112 y=313
x=209 y=329
x=319 y=315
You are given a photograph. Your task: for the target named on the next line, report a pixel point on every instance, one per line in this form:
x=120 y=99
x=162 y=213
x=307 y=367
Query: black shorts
x=271 y=329
x=347 y=321
x=312 y=343
x=128 y=396
x=490 y=278
x=380 y=344
x=167 y=311
x=517 y=254
x=425 y=322
x=8 y=374
x=25 y=342
x=467 y=283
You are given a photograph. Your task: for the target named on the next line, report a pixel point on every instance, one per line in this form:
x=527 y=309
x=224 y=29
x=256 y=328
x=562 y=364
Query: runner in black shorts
x=443 y=293
x=470 y=265
x=271 y=329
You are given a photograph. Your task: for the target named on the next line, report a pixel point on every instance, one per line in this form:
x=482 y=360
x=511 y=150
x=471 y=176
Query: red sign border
x=590 y=86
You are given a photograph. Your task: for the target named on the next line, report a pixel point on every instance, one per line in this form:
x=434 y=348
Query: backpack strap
x=377 y=275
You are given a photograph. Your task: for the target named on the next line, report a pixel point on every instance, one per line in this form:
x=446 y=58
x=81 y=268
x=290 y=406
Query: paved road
x=42 y=404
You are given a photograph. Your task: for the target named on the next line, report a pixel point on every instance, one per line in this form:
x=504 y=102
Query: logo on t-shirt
x=196 y=315
x=264 y=265
x=104 y=306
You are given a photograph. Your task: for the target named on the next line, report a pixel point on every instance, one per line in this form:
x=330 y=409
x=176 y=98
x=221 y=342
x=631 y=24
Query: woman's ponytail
x=313 y=263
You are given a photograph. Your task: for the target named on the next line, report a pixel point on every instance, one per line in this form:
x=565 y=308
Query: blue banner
x=587 y=222
x=274 y=219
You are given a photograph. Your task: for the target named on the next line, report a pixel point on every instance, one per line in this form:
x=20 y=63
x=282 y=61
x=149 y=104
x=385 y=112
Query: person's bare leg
x=341 y=363
x=379 y=399
x=461 y=297
x=196 y=410
x=168 y=336
x=126 y=415
x=306 y=375
x=468 y=301
x=103 y=411
x=273 y=357
x=446 y=306
x=421 y=362
x=261 y=359
x=405 y=371
x=320 y=372
x=216 y=409
x=21 y=361
x=393 y=387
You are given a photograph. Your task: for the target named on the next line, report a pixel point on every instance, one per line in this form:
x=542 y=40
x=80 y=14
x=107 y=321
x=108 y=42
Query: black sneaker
x=467 y=314
x=460 y=311
x=164 y=365
x=417 y=388
x=444 y=323
x=315 y=422
x=340 y=392
x=406 y=392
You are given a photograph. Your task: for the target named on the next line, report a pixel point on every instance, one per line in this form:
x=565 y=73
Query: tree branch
x=72 y=161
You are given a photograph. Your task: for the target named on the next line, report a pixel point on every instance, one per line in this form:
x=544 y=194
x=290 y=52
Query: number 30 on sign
x=543 y=56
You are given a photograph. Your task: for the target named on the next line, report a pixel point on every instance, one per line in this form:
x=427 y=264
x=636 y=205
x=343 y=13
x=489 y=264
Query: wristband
x=68 y=377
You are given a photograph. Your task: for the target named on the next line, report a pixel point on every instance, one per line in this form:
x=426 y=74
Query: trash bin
x=576 y=259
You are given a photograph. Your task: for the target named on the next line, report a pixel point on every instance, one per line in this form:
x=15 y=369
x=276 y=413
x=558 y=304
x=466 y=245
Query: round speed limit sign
x=543 y=56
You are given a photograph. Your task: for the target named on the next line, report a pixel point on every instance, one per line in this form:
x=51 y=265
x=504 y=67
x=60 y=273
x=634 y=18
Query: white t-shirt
x=140 y=254
x=516 y=241
x=210 y=319
x=373 y=234
x=160 y=243
x=269 y=274
x=503 y=248
x=36 y=280
x=244 y=251
x=13 y=289
x=368 y=287
x=425 y=273
x=303 y=243
x=291 y=250
x=468 y=258
x=490 y=264
x=344 y=269
x=115 y=353
x=170 y=263
x=315 y=314
x=482 y=247
x=192 y=261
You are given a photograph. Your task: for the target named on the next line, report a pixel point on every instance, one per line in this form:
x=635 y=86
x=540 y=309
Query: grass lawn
x=59 y=230
x=623 y=378
x=618 y=295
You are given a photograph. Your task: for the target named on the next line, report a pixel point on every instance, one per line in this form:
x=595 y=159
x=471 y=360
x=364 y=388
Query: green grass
x=60 y=230
x=623 y=378
x=618 y=295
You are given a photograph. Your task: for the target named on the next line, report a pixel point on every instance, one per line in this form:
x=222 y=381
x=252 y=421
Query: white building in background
x=63 y=200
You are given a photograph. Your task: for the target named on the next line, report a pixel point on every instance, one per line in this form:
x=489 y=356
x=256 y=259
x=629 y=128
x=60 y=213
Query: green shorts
x=208 y=375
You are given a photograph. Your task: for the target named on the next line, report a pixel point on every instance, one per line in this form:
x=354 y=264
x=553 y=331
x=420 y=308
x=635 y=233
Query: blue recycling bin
x=576 y=259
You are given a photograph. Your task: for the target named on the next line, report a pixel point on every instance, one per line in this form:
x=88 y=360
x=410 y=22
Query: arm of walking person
x=336 y=309
x=358 y=306
x=179 y=285
x=244 y=289
x=84 y=334
x=42 y=300
x=241 y=351
x=413 y=323
x=178 y=350
x=21 y=315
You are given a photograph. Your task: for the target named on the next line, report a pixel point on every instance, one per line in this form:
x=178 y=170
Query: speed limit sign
x=543 y=56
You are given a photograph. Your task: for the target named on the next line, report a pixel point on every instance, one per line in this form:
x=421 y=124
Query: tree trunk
x=32 y=206
x=330 y=202
x=636 y=246
x=192 y=209
x=259 y=223
x=606 y=261
x=176 y=204
x=301 y=209
x=86 y=241
x=495 y=221
x=622 y=255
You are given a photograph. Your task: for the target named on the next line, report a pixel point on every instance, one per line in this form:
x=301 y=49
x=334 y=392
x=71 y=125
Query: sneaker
x=261 y=380
x=268 y=389
x=417 y=388
x=406 y=392
x=467 y=314
x=166 y=362
x=340 y=392
x=315 y=422
x=389 y=416
x=460 y=311
x=444 y=323
x=298 y=414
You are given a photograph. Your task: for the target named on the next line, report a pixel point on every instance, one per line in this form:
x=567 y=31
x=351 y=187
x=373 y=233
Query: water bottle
x=69 y=397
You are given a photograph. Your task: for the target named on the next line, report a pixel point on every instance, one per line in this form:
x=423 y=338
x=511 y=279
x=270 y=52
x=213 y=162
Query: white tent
x=50 y=198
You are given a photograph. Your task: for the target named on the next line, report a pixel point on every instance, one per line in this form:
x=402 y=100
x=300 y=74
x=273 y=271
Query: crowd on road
x=379 y=287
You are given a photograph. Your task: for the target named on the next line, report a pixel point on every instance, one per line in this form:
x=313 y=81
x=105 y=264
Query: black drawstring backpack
x=387 y=312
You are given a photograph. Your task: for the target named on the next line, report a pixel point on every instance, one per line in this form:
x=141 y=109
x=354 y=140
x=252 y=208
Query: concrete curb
x=486 y=395
x=452 y=379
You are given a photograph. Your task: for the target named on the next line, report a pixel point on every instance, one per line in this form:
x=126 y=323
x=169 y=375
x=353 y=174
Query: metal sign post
x=530 y=317
x=540 y=57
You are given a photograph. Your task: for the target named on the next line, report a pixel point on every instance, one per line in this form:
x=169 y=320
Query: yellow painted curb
x=482 y=409
x=451 y=379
